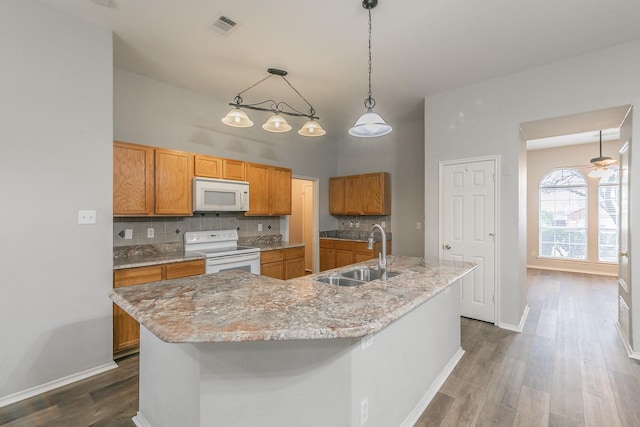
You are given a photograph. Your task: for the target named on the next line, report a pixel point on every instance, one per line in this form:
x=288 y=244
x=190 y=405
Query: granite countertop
x=146 y=260
x=239 y=306
x=276 y=245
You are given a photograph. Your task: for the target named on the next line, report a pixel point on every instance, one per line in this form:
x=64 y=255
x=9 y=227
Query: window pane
x=563 y=215
x=608 y=222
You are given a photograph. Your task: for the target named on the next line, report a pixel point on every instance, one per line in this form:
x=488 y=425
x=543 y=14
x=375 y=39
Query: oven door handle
x=232 y=259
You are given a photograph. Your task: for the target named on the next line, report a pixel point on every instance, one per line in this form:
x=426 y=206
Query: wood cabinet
x=217 y=167
x=336 y=253
x=269 y=190
x=366 y=194
x=284 y=264
x=272 y=263
x=174 y=180
x=126 y=331
x=327 y=255
x=151 y=181
x=294 y=262
x=132 y=179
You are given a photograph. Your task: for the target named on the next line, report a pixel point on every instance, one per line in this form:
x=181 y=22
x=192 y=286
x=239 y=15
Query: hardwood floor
x=109 y=399
x=567 y=368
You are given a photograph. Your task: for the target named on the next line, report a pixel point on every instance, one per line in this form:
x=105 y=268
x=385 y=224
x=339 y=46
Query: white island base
x=320 y=382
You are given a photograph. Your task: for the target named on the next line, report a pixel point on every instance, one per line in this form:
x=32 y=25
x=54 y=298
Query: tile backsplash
x=172 y=229
x=357 y=223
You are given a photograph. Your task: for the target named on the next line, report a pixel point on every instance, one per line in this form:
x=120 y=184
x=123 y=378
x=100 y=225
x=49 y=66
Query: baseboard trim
x=520 y=327
x=413 y=417
x=140 y=421
x=51 y=385
x=632 y=354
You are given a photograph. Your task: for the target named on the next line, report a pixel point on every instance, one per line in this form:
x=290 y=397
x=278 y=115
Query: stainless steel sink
x=340 y=281
x=367 y=274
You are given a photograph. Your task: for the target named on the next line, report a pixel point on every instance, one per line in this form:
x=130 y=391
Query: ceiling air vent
x=223 y=24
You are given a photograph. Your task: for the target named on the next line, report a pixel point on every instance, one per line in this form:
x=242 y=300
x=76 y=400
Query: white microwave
x=220 y=195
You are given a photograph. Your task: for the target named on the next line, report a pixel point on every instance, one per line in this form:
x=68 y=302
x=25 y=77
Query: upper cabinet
x=132 y=179
x=151 y=181
x=174 y=181
x=367 y=194
x=216 y=167
x=269 y=190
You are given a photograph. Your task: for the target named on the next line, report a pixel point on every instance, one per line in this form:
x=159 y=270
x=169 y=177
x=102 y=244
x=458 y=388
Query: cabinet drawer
x=291 y=253
x=136 y=276
x=271 y=256
x=361 y=247
x=184 y=269
x=327 y=243
x=343 y=245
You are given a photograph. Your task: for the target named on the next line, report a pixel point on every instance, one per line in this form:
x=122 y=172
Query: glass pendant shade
x=311 y=128
x=601 y=173
x=370 y=125
x=237 y=118
x=276 y=123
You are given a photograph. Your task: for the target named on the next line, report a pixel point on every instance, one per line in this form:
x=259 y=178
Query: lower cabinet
x=282 y=264
x=126 y=331
x=336 y=253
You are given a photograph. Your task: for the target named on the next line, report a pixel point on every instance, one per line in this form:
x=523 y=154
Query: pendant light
x=370 y=124
x=276 y=122
x=601 y=164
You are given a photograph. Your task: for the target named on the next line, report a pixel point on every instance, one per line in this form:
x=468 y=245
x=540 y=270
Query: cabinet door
x=233 y=169
x=280 y=191
x=353 y=195
x=294 y=264
x=132 y=179
x=327 y=259
x=344 y=252
x=184 y=269
x=174 y=175
x=208 y=167
x=126 y=331
x=258 y=177
x=376 y=190
x=336 y=196
x=273 y=269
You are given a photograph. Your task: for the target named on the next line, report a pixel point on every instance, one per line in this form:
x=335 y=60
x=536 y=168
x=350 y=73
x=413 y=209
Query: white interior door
x=625 y=308
x=468 y=231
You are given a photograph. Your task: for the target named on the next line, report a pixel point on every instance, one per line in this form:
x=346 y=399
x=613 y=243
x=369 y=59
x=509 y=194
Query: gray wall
x=56 y=133
x=402 y=154
x=484 y=120
x=151 y=112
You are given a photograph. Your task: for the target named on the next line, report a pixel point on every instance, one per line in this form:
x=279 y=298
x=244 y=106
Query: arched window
x=608 y=216
x=563 y=215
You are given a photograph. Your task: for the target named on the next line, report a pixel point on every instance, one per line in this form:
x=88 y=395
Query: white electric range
x=222 y=251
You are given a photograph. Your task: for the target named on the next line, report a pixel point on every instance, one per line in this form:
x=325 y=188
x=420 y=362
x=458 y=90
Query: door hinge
x=493 y=298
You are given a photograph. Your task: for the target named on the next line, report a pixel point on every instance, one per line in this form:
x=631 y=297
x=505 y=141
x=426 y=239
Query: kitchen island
x=238 y=349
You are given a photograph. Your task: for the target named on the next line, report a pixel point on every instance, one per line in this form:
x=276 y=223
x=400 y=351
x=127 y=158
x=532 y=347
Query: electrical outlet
x=533 y=253
x=366 y=342
x=364 y=411
x=357 y=224
x=128 y=233
x=86 y=217
x=418 y=226
x=151 y=232
x=259 y=227
x=383 y=224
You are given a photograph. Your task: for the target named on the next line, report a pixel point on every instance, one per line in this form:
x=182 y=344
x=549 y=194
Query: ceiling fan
x=601 y=166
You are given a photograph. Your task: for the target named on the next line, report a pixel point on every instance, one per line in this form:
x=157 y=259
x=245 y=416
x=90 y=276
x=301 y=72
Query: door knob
x=446 y=246
x=624 y=254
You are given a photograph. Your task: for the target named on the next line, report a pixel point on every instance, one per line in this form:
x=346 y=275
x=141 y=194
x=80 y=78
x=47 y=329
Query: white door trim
x=497 y=203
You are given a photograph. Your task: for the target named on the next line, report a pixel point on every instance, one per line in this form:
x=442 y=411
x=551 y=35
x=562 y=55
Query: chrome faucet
x=382 y=256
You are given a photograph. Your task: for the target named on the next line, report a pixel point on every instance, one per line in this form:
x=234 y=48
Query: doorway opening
x=304 y=219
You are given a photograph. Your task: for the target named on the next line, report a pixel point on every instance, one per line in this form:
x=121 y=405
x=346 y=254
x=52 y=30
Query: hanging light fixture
x=601 y=164
x=276 y=123
x=370 y=124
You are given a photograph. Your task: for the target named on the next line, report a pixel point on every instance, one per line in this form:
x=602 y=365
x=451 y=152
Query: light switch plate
x=86 y=217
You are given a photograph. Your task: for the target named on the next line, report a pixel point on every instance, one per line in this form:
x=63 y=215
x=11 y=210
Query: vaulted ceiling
x=419 y=47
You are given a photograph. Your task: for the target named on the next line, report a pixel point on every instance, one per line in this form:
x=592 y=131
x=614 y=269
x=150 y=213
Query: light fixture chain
x=255 y=84
x=370 y=54
x=311 y=110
